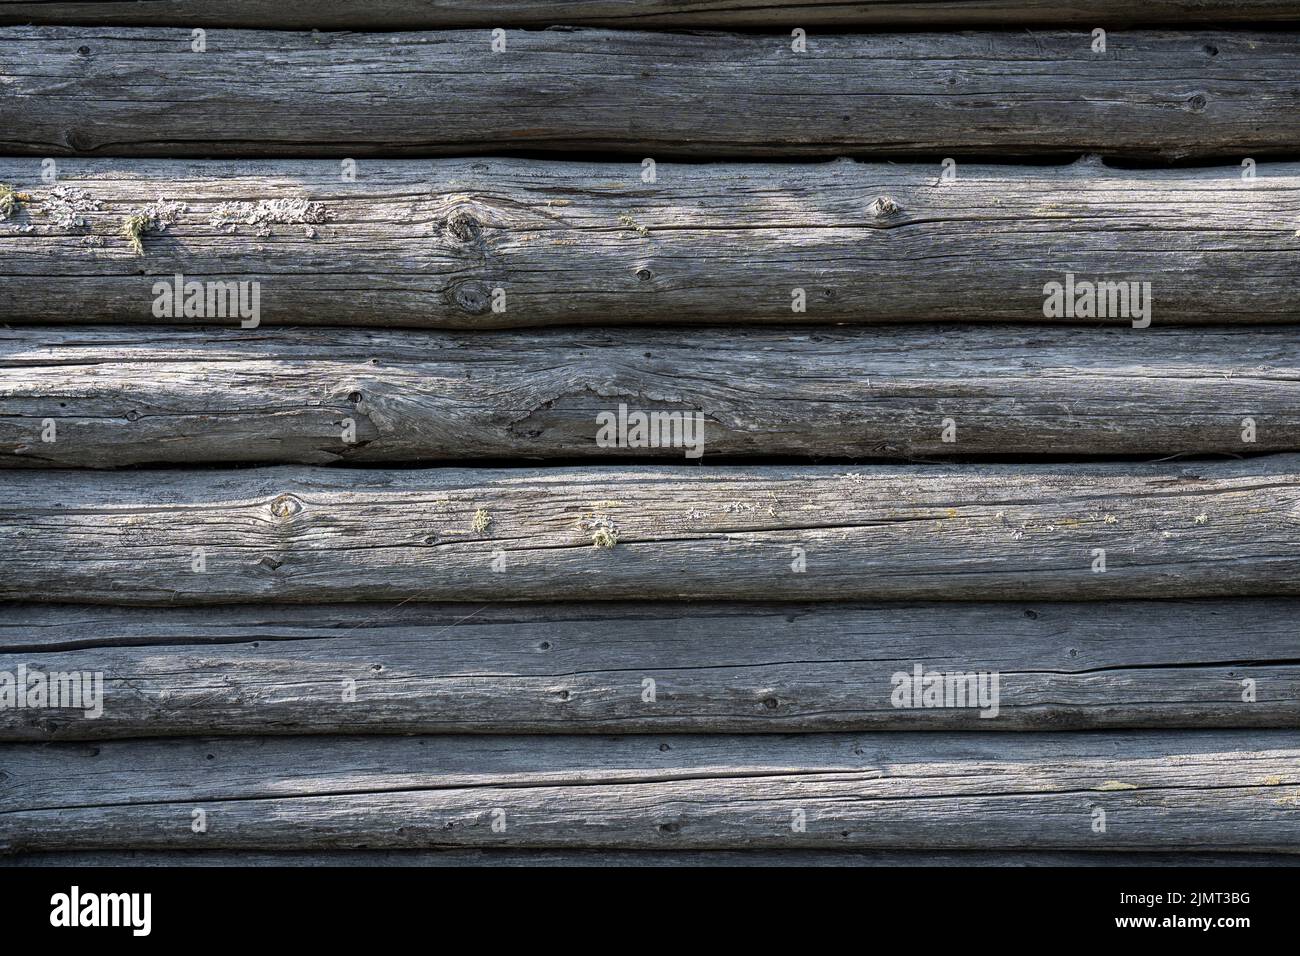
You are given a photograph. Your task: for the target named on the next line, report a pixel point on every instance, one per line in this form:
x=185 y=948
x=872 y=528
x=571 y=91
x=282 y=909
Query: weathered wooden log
x=637 y=858
x=103 y=397
x=147 y=92
x=988 y=532
x=429 y=244
x=1192 y=790
x=430 y=14
x=711 y=667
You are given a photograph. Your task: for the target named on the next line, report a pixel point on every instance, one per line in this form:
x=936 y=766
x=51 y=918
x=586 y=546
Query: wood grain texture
x=637 y=858
x=144 y=91
x=988 y=532
x=426 y=14
x=125 y=397
x=1198 y=791
x=582 y=668
x=426 y=243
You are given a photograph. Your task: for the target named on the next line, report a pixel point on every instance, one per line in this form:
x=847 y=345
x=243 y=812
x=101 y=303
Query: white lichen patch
x=67 y=207
x=1201 y=519
x=164 y=213
x=265 y=213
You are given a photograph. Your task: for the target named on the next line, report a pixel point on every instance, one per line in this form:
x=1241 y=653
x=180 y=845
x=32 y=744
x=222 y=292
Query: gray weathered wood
x=716 y=667
x=117 y=397
x=426 y=243
x=144 y=91
x=426 y=14
x=638 y=858
x=1197 y=791
x=983 y=532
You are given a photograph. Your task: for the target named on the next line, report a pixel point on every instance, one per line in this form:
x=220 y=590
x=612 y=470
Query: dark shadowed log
x=713 y=667
x=638 y=858
x=1199 y=791
x=430 y=243
x=147 y=92
x=426 y=14
x=985 y=532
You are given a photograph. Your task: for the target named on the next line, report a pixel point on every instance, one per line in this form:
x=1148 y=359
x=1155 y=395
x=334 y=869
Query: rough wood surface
x=426 y=14
x=1197 y=791
x=986 y=532
x=715 y=667
x=125 y=397
x=426 y=243
x=637 y=858
x=144 y=91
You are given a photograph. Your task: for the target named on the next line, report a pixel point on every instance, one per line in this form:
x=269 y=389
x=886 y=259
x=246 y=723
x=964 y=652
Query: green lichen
x=154 y=218
x=10 y=200
x=603 y=530
x=482 y=521
x=627 y=220
x=133 y=228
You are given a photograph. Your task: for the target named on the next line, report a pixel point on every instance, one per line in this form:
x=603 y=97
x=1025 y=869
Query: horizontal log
x=104 y=397
x=713 y=667
x=1198 y=791
x=428 y=244
x=637 y=858
x=427 y=14
x=146 y=92
x=990 y=532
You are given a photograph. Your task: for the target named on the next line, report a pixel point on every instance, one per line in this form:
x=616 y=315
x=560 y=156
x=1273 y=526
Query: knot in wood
x=463 y=227
x=885 y=207
x=472 y=297
x=286 y=506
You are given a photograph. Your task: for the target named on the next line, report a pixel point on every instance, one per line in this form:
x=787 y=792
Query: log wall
x=352 y=575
